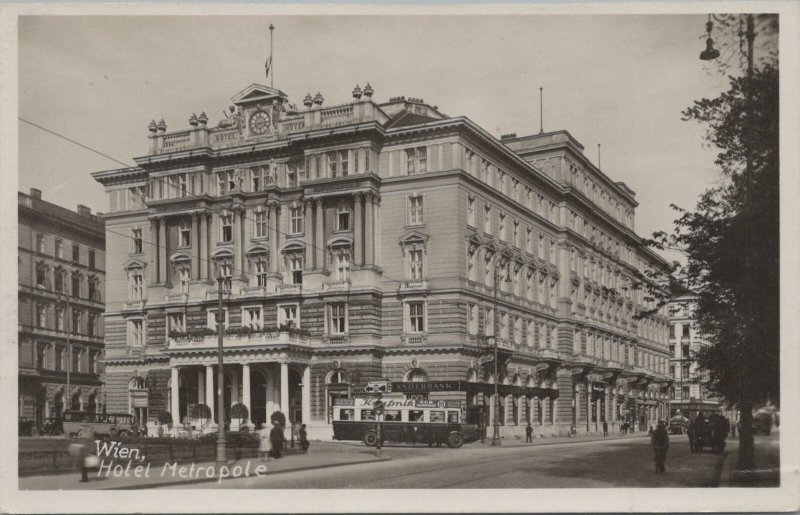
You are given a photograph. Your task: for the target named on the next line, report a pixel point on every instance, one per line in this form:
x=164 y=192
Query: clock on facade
x=259 y=123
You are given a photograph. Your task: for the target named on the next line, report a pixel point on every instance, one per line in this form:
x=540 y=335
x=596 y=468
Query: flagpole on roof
x=270 y=63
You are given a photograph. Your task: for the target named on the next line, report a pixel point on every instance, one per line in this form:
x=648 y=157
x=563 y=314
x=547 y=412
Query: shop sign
x=426 y=386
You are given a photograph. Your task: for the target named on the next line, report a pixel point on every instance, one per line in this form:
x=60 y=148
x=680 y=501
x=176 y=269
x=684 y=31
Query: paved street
x=610 y=463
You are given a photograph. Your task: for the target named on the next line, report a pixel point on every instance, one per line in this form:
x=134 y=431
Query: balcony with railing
x=338 y=286
x=256 y=338
x=137 y=305
x=176 y=298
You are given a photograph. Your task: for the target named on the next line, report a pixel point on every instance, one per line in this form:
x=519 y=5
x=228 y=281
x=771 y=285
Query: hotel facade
x=364 y=241
x=61 y=259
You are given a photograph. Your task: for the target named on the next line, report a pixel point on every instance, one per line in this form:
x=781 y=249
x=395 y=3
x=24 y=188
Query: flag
x=268 y=65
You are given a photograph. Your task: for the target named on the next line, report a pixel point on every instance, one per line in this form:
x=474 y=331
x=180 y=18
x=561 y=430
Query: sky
x=618 y=80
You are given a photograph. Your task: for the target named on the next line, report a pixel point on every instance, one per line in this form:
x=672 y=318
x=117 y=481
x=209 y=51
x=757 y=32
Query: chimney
x=84 y=211
x=36 y=193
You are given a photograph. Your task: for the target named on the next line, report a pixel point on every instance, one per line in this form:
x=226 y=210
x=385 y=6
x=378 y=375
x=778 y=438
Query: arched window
x=338 y=376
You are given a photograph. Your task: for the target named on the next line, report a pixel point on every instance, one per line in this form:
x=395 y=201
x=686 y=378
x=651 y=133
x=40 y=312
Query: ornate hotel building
x=61 y=258
x=360 y=241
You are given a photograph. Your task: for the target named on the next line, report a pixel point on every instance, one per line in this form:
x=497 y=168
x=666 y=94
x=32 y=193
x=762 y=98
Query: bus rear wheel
x=370 y=439
x=455 y=440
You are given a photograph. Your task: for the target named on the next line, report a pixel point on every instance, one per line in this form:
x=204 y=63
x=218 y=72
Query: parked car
x=762 y=423
x=678 y=425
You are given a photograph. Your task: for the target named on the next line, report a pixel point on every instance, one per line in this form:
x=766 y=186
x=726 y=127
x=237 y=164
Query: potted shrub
x=202 y=414
x=164 y=419
x=239 y=414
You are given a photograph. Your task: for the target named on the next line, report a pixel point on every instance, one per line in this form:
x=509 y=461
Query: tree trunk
x=746 y=450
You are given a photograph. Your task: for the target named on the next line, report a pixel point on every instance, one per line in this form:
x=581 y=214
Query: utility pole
x=67 y=321
x=221 y=459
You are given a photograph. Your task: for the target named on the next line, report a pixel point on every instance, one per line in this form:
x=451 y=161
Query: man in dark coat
x=529 y=433
x=605 y=428
x=659 y=441
x=276 y=439
x=303 y=436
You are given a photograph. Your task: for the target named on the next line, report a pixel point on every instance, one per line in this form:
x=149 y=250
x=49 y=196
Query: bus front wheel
x=455 y=440
x=370 y=438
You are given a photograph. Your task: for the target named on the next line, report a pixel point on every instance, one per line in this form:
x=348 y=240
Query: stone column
x=204 y=261
x=234 y=386
x=519 y=411
x=369 y=234
x=238 y=244
x=195 y=247
x=174 y=397
x=246 y=387
x=285 y=390
x=308 y=228
x=319 y=234
x=306 y=400
x=201 y=387
x=588 y=406
x=358 y=235
x=270 y=391
x=210 y=389
x=163 y=277
x=151 y=253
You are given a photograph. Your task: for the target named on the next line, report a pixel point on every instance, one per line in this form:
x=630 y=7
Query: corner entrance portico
x=263 y=381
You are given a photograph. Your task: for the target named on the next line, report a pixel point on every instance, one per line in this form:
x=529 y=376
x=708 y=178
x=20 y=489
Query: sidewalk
x=520 y=442
x=767 y=471
x=170 y=475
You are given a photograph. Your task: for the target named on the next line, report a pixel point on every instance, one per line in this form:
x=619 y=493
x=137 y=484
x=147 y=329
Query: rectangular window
x=40 y=243
x=183 y=279
x=343 y=266
x=76 y=360
x=501 y=229
x=487 y=270
x=437 y=417
x=415 y=210
x=296 y=269
x=416 y=160
x=176 y=323
x=338 y=318
x=260 y=224
x=59 y=281
x=471 y=211
x=332 y=158
x=76 y=321
x=136 y=237
x=137 y=286
x=226 y=228
x=296 y=220
x=226 y=272
x=91 y=259
x=415 y=264
x=41 y=315
x=261 y=272
x=60 y=249
x=343 y=218
x=211 y=318
x=183 y=185
x=256 y=178
x=516 y=234
x=347 y=414
x=288 y=315
x=76 y=253
x=185 y=234
x=136 y=333
x=487 y=219
x=76 y=286
x=291 y=175
x=344 y=165
x=60 y=319
x=416 y=317
x=252 y=318
x=488 y=318
x=472 y=269
x=472 y=319
x=685 y=331
x=91 y=324
x=91 y=286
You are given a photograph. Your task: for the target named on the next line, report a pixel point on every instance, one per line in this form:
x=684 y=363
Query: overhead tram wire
x=163 y=181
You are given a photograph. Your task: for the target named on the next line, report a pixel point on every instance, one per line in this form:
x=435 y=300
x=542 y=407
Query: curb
x=215 y=479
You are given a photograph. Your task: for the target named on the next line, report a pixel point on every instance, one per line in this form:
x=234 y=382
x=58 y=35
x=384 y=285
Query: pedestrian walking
x=605 y=428
x=263 y=441
x=276 y=440
x=659 y=441
x=529 y=433
x=303 y=435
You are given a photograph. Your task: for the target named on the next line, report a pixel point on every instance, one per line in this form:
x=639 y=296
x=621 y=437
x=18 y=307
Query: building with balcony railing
x=688 y=394
x=61 y=285
x=374 y=228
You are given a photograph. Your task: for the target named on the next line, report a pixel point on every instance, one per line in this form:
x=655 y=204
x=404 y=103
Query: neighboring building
x=61 y=287
x=373 y=230
x=689 y=395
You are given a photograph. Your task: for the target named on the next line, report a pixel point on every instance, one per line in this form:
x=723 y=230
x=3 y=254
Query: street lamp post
x=221 y=459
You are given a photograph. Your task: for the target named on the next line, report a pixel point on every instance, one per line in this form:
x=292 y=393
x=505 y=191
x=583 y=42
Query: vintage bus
x=89 y=425
x=403 y=421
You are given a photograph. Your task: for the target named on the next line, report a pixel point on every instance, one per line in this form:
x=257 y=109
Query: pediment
x=133 y=263
x=180 y=256
x=256 y=248
x=257 y=93
x=414 y=236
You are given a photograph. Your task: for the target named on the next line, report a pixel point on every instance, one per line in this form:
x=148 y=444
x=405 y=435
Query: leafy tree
x=731 y=241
